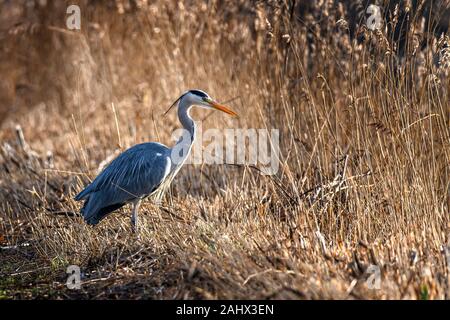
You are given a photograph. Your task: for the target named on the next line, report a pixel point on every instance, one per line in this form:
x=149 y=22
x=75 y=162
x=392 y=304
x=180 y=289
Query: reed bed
x=364 y=122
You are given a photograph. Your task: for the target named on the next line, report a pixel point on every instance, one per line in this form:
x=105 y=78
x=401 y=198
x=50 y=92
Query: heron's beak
x=221 y=107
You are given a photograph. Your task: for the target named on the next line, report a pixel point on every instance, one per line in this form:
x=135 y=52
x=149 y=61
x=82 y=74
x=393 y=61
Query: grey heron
x=143 y=169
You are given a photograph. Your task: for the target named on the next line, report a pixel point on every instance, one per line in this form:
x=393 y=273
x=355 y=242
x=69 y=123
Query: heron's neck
x=181 y=150
x=186 y=120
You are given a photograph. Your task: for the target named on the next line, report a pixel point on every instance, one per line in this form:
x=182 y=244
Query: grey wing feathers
x=135 y=173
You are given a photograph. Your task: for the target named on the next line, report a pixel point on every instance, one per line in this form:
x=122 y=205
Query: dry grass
x=364 y=177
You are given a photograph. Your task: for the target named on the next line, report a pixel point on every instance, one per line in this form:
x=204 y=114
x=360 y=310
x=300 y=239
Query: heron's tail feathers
x=93 y=212
x=82 y=194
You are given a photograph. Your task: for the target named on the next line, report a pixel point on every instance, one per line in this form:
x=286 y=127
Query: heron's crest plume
x=173 y=104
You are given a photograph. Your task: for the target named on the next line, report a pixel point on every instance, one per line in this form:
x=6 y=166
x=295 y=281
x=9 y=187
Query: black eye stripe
x=199 y=93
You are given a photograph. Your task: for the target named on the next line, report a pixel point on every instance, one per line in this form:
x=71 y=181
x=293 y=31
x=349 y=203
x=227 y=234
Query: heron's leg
x=134 y=215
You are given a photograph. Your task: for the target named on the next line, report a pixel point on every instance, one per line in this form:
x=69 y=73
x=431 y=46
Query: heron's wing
x=136 y=170
x=135 y=173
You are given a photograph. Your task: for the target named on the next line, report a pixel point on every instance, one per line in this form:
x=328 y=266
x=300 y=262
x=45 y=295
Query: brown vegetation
x=364 y=124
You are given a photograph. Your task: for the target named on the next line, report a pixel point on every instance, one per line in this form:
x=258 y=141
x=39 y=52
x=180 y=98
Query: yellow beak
x=221 y=107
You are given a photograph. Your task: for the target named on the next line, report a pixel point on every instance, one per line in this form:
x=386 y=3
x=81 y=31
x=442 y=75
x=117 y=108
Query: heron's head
x=202 y=99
